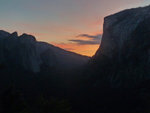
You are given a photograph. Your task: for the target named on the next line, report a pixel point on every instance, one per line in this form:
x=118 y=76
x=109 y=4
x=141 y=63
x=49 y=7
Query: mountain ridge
x=29 y=52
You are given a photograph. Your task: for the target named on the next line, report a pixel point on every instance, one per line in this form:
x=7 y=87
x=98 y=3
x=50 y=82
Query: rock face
x=24 y=52
x=125 y=48
x=121 y=28
x=120 y=70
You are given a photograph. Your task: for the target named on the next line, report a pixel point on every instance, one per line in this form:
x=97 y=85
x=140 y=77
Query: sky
x=74 y=25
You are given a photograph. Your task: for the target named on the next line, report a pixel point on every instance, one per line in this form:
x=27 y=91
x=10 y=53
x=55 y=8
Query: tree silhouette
x=12 y=101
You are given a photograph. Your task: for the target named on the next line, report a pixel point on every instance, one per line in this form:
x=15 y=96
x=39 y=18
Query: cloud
x=90 y=36
x=93 y=39
x=85 y=42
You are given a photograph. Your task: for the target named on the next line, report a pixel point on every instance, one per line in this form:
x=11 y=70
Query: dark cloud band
x=94 y=39
x=85 y=42
x=90 y=36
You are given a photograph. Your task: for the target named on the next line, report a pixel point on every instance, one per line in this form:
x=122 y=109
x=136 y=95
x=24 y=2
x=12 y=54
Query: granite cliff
x=119 y=73
x=124 y=53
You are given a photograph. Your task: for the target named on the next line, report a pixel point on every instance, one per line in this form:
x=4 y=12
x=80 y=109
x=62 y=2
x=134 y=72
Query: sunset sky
x=75 y=25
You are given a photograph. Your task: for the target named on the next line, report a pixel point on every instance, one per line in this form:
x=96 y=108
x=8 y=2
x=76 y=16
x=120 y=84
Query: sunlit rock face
x=24 y=52
x=124 y=53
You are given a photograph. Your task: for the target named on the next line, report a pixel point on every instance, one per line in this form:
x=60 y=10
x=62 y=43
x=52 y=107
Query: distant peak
x=4 y=33
x=26 y=36
x=14 y=34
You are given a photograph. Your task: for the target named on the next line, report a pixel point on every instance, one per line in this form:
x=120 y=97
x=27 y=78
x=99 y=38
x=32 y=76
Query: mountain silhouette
x=115 y=80
x=26 y=53
x=119 y=71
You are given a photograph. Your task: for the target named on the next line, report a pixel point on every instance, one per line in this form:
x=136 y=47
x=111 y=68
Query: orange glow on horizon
x=88 y=50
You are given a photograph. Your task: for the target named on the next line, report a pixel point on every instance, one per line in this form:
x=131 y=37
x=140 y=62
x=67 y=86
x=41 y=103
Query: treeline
x=13 y=101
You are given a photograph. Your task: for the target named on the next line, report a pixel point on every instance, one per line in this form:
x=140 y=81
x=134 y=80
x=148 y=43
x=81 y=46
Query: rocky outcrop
x=24 y=52
x=124 y=53
x=19 y=52
x=120 y=29
x=119 y=72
